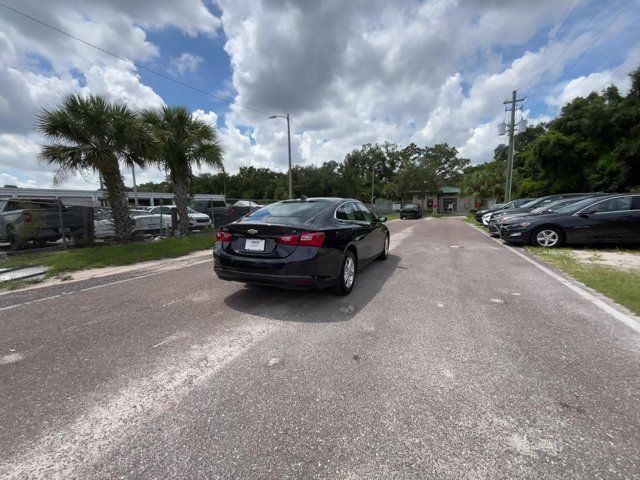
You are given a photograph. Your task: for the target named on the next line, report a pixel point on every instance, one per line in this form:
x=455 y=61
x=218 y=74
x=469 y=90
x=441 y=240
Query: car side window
x=635 y=202
x=368 y=215
x=613 y=205
x=347 y=211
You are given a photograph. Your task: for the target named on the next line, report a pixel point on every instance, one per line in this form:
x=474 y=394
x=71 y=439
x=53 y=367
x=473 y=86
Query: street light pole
x=287 y=117
x=135 y=187
x=289 y=144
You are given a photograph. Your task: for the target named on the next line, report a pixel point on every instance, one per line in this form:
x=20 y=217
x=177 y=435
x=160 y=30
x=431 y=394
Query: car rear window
x=411 y=205
x=299 y=210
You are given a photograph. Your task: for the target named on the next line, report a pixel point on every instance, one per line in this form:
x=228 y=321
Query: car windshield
x=574 y=207
x=411 y=205
x=191 y=210
x=299 y=211
x=533 y=203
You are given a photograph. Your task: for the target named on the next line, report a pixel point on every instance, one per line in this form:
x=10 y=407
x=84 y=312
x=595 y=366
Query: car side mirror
x=587 y=213
x=382 y=219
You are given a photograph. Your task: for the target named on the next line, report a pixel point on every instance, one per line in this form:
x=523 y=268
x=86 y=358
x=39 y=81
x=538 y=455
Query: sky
x=348 y=72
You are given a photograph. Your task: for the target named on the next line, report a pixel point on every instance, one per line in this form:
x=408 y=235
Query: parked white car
x=144 y=222
x=197 y=220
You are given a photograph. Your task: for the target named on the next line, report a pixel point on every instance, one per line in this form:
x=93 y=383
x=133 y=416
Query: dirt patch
x=624 y=260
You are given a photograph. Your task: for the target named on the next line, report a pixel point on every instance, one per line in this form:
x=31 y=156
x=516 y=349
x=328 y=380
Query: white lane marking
x=440 y=305
x=169 y=339
x=108 y=284
x=65 y=452
x=398 y=238
x=515 y=294
x=615 y=313
x=11 y=358
x=497 y=300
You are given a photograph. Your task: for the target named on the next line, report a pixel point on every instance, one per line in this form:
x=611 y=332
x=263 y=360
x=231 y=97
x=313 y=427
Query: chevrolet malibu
x=314 y=242
x=611 y=219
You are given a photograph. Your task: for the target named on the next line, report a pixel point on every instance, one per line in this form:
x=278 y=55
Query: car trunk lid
x=268 y=240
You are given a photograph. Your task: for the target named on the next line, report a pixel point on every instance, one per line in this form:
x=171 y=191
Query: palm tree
x=92 y=134
x=182 y=141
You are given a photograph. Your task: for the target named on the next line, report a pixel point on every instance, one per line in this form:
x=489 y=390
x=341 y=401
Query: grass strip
x=619 y=284
x=112 y=255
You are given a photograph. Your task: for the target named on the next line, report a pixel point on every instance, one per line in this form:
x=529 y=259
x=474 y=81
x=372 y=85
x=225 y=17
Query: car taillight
x=224 y=237
x=288 y=239
x=26 y=216
x=315 y=239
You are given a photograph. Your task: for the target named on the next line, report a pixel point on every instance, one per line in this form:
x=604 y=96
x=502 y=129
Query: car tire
x=347 y=277
x=547 y=237
x=385 y=250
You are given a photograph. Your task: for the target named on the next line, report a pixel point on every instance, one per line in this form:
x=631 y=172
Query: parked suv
x=218 y=207
x=411 y=210
x=24 y=221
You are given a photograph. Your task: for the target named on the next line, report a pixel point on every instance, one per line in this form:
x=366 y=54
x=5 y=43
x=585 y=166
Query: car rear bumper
x=305 y=268
x=281 y=281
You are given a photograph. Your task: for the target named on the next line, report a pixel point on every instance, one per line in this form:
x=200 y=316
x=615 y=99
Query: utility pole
x=289 y=143
x=511 y=130
x=373 y=179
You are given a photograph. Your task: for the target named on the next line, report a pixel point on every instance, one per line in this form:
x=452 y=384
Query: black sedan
x=315 y=242
x=501 y=206
x=411 y=210
x=604 y=219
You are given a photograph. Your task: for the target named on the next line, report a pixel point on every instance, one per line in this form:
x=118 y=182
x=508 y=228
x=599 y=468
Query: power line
x=593 y=43
x=557 y=26
x=584 y=29
x=137 y=65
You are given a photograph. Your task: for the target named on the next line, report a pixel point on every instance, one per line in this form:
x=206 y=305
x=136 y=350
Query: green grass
x=620 y=285
x=112 y=255
x=392 y=216
x=470 y=219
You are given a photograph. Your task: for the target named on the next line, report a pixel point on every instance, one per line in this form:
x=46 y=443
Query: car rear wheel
x=347 y=277
x=385 y=252
x=547 y=237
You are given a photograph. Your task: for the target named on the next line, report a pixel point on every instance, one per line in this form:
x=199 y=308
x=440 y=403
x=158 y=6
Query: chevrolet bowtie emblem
x=252 y=231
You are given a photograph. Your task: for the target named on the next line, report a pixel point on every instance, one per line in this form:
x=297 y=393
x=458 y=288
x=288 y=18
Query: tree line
x=378 y=170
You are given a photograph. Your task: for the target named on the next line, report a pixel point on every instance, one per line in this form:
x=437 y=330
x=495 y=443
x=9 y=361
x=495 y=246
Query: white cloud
x=185 y=63
x=349 y=73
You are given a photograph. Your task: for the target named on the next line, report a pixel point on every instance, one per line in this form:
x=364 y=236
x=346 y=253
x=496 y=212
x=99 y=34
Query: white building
x=94 y=198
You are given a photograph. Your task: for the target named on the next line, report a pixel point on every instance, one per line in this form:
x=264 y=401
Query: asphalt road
x=455 y=358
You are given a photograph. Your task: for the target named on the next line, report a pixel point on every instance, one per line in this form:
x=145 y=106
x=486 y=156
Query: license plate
x=254 y=245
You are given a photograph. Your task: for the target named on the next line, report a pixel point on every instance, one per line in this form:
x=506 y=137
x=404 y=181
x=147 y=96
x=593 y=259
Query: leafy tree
x=182 y=141
x=92 y=134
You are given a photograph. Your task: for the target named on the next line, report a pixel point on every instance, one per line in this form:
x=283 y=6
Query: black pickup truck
x=38 y=221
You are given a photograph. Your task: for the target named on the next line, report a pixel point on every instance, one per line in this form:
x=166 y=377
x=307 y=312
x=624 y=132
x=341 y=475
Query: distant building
x=94 y=198
x=445 y=200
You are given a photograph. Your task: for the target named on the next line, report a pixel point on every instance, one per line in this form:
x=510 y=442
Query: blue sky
x=348 y=72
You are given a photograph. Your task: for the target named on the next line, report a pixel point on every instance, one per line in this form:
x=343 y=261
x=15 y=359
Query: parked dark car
x=603 y=219
x=315 y=242
x=38 y=221
x=538 y=202
x=494 y=226
x=501 y=206
x=219 y=209
x=411 y=210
